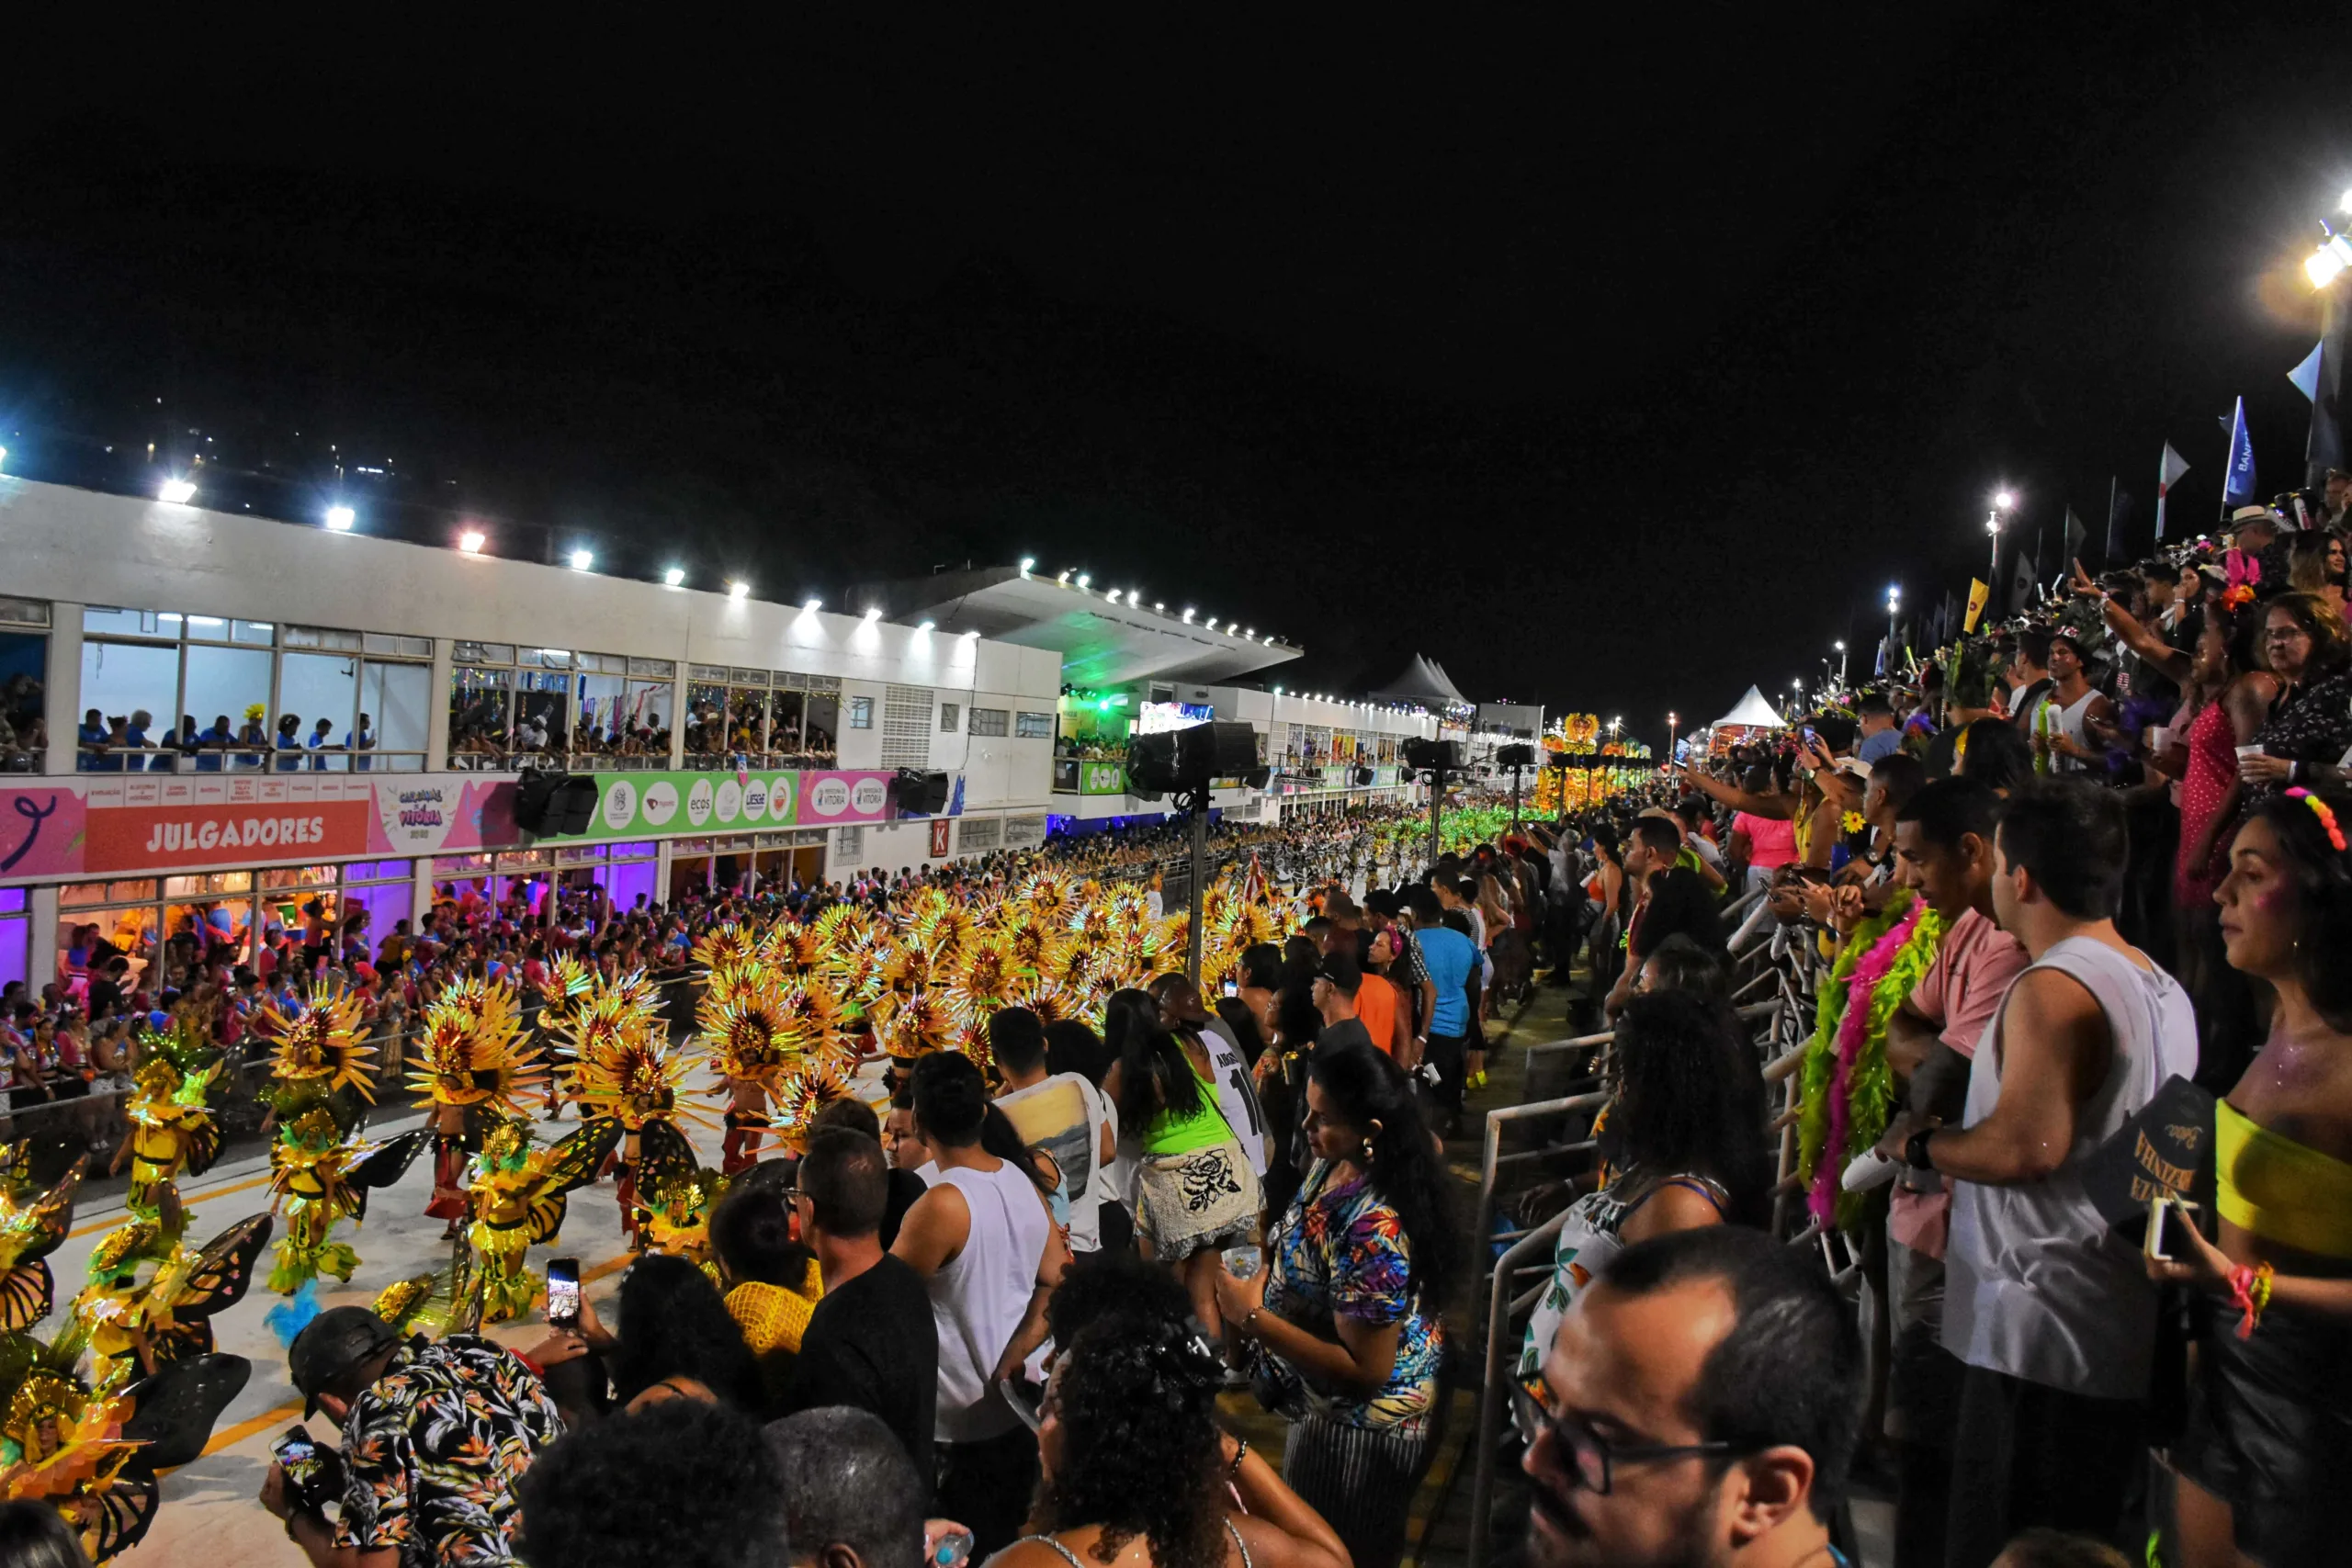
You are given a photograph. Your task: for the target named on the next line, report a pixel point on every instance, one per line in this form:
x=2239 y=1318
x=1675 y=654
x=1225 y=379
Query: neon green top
x=2279 y=1189
x=1171 y=1133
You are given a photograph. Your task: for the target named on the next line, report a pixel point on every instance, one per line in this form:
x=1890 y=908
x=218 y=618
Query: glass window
x=299 y=876
x=14 y=900
x=547 y=658
x=861 y=713
x=460 y=866
x=479 y=701
x=951 y=717
x=99 y=621
x=24 y=612
x=543 y=722
x=123 y=679
x=401 y=647
x=654 y=669
x=1035 y=726
x=24 y=678
x=232 y=681
x=706 y=714
x=483 y=652
x=210 y=882
x=635 y=850
x=747 y=716
x=320 y=689
x=254 y=634
x=394 y=700
x=378 y=870
x=991 y=721
x=739 y=676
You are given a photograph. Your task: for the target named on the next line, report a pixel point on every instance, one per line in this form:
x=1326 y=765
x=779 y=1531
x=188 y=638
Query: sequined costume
x=475 y=1062
x=33 y=1221
x=150 y=1300
x=516 y=1191
x=625 y=1072
x=172 y=1129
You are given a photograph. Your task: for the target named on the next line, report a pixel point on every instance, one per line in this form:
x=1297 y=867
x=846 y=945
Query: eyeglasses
x=1593 y=1461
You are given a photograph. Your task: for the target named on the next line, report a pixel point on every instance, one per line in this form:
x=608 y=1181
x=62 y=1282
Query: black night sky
x=1612 y=369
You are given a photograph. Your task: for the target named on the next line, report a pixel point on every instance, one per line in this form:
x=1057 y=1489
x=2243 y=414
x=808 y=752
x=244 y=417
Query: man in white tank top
x=986 y=1243
x=2080 y=716
x=2052 y=1313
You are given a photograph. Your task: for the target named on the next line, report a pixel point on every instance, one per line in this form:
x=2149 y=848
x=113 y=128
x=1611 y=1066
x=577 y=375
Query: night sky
x=1612 y=369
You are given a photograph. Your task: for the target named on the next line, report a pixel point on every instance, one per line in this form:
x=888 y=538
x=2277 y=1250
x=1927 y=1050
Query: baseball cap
x=1342 y=970
x=331 y=1345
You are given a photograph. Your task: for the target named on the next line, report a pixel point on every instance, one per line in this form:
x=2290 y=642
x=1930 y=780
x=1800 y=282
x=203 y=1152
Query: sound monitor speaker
x=922 y=794
x=549 y=802
x=1423 y=755
x=1362 y=777
x=1221 y=749
x=1519 y=756
x=1151 y=765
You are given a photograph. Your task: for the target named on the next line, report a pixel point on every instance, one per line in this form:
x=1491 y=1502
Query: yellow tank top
x=2279 y=1189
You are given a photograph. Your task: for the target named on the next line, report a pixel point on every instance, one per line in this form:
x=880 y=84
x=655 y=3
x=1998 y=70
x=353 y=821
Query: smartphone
x=2167 y=1223
x=1232 y=988
x=1026 y=1398
x=563 y=1293
x=1810 y=738
x=313 y=1473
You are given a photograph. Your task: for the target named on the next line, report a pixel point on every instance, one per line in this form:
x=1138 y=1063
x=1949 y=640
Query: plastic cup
x=2249 y=750
x=2158 y=737
x=1242 y=1262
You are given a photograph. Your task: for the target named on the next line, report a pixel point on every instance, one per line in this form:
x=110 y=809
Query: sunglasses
x=1592 y=1459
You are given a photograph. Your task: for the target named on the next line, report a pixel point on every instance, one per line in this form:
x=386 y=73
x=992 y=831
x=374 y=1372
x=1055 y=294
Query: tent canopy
x=1754 y=712
x=1425 y=681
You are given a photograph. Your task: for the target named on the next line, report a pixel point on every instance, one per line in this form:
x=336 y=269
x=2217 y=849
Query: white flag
x=2168 y=471
x=2306 y=375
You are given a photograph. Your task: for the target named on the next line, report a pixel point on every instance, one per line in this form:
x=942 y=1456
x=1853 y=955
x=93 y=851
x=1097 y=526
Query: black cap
x=331 y=1345
x=1341 y=969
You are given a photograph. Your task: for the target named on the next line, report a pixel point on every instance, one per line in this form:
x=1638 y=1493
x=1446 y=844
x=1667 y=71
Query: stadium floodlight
x=471 y=541
x=926 y=625
x=1026 y=563
x=674 y=578
x=873 y=614
x=176 y=493
x=739 y=589
x=341 y=518
x=810 y=606
x=583 y=560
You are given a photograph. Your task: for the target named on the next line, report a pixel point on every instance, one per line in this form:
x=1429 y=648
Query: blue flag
x=2238 y=484
x=2119 y=511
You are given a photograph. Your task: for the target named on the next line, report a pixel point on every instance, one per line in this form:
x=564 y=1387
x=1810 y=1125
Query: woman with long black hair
x=1137 y=1474
x=1195 y=1192
x=1684 y=1145
x=1341 y=1331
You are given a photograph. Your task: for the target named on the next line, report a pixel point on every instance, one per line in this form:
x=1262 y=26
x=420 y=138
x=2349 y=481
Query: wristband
x=1915 y=1150
x=1241 y=1452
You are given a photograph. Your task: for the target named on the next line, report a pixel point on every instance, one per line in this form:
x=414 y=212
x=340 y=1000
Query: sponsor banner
x=829 y=798
x=655 y=804
x=1101 y=778
x=939 y=827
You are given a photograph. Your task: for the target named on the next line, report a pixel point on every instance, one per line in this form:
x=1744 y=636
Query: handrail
x=1490 y=1152
x=1490 y=1392
x=248 y=757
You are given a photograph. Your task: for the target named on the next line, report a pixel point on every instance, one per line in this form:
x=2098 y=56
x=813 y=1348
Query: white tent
x=1752 y=712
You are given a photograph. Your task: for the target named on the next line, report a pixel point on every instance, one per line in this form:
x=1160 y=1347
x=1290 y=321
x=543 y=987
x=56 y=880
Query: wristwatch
x=1915 y=1151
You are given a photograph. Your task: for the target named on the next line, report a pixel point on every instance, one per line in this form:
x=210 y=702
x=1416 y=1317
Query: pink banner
x=830 y=798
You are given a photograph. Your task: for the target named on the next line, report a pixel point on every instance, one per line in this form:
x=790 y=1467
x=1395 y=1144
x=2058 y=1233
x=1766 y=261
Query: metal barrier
x=1502 y=1306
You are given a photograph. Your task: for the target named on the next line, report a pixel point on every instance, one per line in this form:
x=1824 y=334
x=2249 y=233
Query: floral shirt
x=434 y=1448
x=1340 y=1252
x=2313 y=725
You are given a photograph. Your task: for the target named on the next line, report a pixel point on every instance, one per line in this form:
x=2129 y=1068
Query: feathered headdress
x=319 y=1048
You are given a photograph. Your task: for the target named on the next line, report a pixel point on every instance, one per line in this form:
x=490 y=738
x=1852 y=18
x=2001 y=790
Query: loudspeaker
x=549 y=802
x=1221 y=749
x=1362 y=777
x=1521 y=755
x=1151 y=765
x=922 y=794
x=1422 y=756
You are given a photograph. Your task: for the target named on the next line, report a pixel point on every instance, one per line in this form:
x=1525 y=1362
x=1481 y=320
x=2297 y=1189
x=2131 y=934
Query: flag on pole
x=2306 y=375
x=2075 y=534
x=2022 y=572
x=2169 y=467
x=1979 y=591
x=2238 y=484
x=2119 y=511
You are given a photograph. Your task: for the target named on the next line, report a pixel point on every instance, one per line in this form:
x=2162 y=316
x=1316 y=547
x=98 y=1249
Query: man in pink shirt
x=1943 y=847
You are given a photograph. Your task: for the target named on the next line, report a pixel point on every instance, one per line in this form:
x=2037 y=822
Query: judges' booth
x=168 y=920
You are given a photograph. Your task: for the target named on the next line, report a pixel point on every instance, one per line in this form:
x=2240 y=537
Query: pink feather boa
x=1853 y=1031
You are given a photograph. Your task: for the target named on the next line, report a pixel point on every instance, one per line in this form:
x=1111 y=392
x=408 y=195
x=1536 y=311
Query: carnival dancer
x=475 y=1063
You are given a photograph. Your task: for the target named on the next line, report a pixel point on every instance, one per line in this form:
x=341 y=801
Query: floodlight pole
x=1200 y=804
x=1437 y=805
x=1514 y=799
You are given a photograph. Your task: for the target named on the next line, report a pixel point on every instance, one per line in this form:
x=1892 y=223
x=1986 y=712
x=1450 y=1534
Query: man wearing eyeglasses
x=1696 y=1409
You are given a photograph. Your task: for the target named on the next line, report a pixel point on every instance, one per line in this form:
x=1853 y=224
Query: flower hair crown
x=2327 y=816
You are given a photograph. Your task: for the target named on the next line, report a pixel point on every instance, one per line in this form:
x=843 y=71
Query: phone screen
x=1232 y=988
x=563 y=1291
x=307 y=1469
